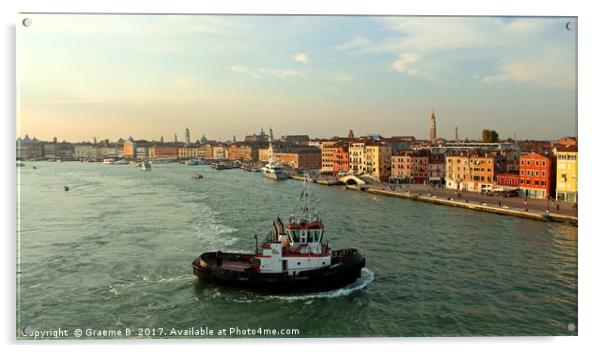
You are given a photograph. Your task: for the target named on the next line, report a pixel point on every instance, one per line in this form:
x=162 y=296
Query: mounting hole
x=27 y=22
x=570 y=26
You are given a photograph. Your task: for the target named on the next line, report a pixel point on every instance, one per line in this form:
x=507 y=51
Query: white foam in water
x=365 y=279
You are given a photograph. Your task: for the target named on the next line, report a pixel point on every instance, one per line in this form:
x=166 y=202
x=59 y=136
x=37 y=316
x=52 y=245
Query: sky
x=112 y=76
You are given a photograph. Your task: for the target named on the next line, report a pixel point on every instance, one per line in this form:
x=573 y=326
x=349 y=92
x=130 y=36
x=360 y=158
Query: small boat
x=192 y=162
x=145 y=166
x=295 y=258
x=197 y=176
x=122 y=162
x=66 y=188
x=21 y=164
x=34 y=167
x=108 y=161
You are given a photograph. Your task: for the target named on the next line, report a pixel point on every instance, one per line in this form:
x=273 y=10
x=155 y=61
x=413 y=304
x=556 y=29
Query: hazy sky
x=113 y=76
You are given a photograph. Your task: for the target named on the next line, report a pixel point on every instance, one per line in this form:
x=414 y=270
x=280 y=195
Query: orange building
x=410 y=167
x=163 y=152
x=129 y=148
x=335 y=158
x=469 y=172
x=242 y=152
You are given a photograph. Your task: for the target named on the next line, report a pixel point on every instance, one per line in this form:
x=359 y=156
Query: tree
x=489 y=136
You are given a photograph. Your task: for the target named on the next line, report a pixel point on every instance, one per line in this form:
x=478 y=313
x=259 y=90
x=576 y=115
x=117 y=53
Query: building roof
x=566 y=148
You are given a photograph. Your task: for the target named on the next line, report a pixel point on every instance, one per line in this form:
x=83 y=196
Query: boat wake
x=365 y=279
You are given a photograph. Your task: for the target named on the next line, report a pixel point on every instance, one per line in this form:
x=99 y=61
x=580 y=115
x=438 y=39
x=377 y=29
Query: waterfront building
x=356 y=156
x=165 y=151
x=470 y=172
x=220 y=151
x=108 y=150
x=433 y=127
x=129 y=148
x=537 y=176
x=242 y=152
x=85 y=151
x=28 y=148
x=566 y=173
x=193 y=151
x=436 y=165
x=302 y=157
x=377 y=160
x=410 y=167
x=508 y=179
x=64 y=151
x=335 y=158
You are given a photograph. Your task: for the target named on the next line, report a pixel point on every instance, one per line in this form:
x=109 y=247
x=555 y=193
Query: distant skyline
x=113 y=76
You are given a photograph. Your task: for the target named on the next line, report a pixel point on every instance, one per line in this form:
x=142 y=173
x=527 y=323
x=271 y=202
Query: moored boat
x=292 y=258
x=273 y=169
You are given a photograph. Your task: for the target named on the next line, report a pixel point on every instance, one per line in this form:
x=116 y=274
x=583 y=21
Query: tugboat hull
x=236 y=270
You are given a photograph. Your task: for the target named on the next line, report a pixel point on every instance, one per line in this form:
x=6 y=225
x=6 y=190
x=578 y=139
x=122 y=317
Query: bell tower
x=433 y=127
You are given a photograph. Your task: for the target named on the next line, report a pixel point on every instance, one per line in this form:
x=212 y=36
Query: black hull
x=345 y=269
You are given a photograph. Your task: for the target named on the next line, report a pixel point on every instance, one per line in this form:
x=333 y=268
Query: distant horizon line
x=99 y=140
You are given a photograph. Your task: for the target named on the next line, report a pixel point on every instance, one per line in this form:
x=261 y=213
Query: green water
x=115 y=253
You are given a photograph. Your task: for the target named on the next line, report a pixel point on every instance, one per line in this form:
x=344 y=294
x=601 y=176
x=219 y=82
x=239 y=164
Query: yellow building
x=566 y=173
x=377 y=161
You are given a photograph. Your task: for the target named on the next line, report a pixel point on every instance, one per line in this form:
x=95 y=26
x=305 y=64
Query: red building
x=335 y=158
x=508 y=179
x=537 y=176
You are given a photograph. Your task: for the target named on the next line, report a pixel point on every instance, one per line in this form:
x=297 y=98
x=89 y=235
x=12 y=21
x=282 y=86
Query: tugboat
x=292 y=258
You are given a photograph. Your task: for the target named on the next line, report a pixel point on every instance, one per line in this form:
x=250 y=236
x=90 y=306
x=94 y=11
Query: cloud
x=514 y=72
x=405 y=62
x=543 y=73
x=439 y=48
x=302 y=58
x=261 y=72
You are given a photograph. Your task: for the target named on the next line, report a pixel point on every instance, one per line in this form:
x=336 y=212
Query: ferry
x=223 y=165
x=273 y=170
x=293 y=258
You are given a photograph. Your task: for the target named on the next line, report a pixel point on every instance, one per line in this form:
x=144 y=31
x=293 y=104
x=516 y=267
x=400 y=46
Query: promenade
x=544 y=210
